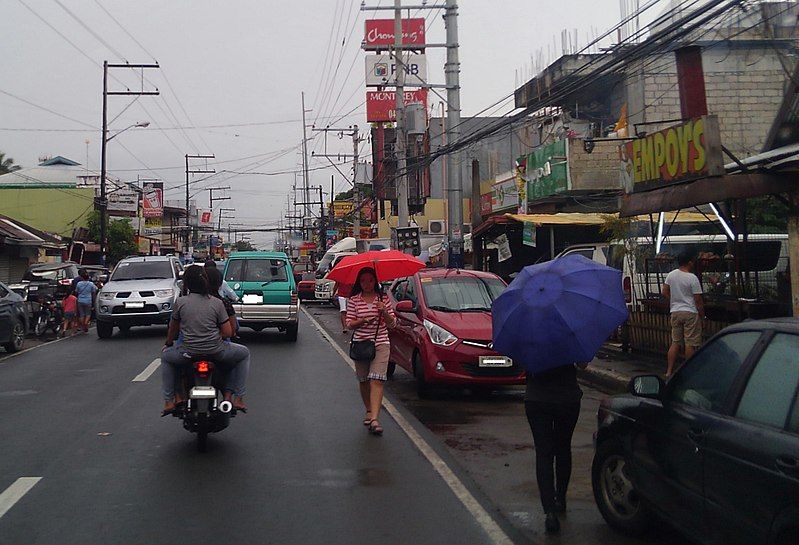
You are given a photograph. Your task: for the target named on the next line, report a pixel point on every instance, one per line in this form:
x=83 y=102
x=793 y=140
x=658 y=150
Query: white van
x=643 y=274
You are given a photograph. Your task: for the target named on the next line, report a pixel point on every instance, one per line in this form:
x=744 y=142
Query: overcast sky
x=236 y=69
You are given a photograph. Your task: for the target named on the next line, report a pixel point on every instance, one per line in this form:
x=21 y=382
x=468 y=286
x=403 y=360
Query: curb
x=612 y=382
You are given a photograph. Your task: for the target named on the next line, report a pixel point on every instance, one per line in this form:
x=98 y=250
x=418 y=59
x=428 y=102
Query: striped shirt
x=357 y=309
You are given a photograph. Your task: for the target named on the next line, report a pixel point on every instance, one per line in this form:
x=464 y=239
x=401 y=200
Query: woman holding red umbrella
x=370 y=315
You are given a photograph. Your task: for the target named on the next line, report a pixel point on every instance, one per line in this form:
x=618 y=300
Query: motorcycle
x=49 y=316
x=205 y=410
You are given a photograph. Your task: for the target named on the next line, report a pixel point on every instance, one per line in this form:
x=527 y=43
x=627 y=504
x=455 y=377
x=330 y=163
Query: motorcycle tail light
x=203 y=367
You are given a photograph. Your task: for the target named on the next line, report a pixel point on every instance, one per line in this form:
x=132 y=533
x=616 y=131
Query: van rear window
x=257 y=270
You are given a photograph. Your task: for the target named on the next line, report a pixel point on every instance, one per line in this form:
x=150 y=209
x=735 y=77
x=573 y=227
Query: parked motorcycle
x=49 y=316
x=205 y=410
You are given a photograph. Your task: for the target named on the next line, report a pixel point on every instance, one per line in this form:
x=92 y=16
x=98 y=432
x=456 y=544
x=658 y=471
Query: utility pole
x=354 y=133
x=222 y=213
x=399 y=131
x=454 y=175
x=103 y=204
x=305 y=194
x=195 y=171
x=212 y=199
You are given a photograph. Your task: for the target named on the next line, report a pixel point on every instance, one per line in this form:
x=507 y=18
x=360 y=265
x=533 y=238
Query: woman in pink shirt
x=369 y=315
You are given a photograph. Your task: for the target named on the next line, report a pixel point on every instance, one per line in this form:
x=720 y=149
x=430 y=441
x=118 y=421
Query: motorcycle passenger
x=215 y=288
x=203 y=323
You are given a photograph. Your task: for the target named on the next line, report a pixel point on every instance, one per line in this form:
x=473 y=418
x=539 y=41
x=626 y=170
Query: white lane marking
x=48 y=343
x=149 y=370
x=14 y=493
x=496 y=534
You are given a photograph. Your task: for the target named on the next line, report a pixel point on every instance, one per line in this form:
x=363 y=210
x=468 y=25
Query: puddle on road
x=346 y=478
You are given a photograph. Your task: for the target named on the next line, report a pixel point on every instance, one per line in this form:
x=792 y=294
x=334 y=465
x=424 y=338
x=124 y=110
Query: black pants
x=552 y=425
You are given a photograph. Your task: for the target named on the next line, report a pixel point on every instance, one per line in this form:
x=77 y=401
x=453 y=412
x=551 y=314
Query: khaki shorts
x=686 y=328
x=376 y=369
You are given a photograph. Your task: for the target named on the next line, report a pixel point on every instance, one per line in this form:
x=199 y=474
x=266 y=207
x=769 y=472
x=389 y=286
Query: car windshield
x=257 y=270
x=461 y=292
x=143 y=270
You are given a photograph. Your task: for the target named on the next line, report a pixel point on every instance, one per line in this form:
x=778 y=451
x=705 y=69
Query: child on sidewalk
x=70 y=307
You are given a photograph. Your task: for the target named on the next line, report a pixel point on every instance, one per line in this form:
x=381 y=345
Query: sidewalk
x=612 y=369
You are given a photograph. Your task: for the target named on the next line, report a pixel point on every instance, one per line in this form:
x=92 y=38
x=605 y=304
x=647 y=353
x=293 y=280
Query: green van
x=267 y=293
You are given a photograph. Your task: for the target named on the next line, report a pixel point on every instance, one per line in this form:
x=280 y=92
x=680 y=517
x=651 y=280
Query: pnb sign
x=382 y=70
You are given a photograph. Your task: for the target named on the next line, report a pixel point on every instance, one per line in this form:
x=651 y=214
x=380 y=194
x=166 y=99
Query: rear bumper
x=267 y=315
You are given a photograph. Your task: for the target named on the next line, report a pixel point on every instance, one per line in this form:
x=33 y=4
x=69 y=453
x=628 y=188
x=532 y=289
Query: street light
x=103 y=200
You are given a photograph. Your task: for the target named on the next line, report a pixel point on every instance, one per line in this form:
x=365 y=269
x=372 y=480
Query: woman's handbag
x=364 y=350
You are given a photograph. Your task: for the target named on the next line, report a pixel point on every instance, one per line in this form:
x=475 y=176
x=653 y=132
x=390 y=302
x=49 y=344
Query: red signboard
x=380 y=32
x=485 y=204
x=381 y=105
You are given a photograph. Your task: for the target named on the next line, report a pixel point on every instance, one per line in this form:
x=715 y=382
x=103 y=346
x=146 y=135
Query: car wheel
x=391 y=368
x=615 y=493
x=291 y=332
x=422 y=386
x=105 y=330
x=17 y=338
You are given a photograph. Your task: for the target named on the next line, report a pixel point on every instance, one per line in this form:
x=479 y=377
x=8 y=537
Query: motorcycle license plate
x=134 y=304
x=495 y=361
x=203 y=392
x=33 y=288
x=252 y=299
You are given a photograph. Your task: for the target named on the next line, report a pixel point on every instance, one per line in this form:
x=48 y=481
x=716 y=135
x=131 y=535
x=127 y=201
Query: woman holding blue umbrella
x=551 y=316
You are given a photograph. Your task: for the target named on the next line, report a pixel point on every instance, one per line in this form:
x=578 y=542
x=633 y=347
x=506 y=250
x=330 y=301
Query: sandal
x=238 y=405
x=375 y=428
x=368 y=419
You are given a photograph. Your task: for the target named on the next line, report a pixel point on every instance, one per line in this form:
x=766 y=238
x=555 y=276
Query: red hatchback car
x=443 y=332
x=306 y=287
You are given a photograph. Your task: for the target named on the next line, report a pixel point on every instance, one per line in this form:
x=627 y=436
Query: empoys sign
x=680 y=153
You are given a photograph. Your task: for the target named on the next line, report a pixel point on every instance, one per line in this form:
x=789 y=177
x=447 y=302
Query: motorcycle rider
x=203 y=323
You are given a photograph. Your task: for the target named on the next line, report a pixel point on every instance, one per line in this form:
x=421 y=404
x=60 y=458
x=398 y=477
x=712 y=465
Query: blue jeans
x=232 y=358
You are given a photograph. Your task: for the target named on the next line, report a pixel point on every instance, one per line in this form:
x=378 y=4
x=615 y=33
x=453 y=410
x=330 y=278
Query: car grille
x=146 y=294
x=123 y=310
x=476 y=371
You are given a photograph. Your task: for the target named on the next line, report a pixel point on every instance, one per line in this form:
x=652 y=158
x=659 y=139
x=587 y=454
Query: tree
x=7 y=164
x=244 y=246
x=121 y=236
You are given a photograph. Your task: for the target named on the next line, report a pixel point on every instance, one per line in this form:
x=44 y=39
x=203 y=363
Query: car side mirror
x=648 y=386
x=104 y=278
x=406 y=306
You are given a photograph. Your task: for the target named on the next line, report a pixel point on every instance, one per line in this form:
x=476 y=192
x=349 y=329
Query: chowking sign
x=380 y=32
x=680 y=153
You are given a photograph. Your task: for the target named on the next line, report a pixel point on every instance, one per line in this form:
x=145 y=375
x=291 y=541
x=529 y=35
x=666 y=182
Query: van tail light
x=203 y=368
x=628 y=292
x=294 y=298
x=65 y=282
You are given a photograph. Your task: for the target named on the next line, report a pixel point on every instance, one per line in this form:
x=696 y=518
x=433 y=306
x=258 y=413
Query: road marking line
x=496 y=534
x=48 y=343
x=149 y=370
x=14 y=493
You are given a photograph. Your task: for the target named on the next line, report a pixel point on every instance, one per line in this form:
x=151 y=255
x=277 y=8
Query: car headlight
x=164 y=293
x=107 y=295
x=439 y=335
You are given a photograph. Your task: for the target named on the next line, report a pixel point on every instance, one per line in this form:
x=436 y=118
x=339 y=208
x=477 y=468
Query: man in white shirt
x=684 y=292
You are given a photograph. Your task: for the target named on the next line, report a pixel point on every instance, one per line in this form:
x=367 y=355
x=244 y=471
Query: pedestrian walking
x=70 y=308
x=370 y=315
x=85 y=290
x=552 y=405
x=684 y=293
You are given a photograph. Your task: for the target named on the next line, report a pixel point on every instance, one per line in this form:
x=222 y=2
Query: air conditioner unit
x=437 y=227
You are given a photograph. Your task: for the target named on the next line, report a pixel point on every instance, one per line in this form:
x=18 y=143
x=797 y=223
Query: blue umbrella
x=558 y=313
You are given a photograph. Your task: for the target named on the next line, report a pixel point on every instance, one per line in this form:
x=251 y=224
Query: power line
x=48 y=110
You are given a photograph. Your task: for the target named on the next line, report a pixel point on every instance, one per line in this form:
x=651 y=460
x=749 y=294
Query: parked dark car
x=13 y=320
x=443 y=331
x=306 y=287
x=715 y=452
x=47 y=280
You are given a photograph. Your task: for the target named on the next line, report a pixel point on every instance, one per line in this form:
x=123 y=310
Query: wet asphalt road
x=490 y=438
x=299 y=468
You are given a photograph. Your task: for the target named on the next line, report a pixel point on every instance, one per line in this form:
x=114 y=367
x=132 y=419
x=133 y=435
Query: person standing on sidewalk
x=85 y=290
x=369 y=315
x=684 y=292
x=552 y=405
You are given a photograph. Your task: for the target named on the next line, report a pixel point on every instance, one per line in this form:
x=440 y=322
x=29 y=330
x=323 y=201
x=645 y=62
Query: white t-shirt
x=683 y=286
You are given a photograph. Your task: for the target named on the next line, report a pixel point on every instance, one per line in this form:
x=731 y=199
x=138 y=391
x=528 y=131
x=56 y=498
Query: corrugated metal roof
x=17 y=233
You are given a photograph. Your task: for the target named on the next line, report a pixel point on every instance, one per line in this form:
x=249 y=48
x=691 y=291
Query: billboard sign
x=546 y=170
x=381 y=106
x=205 y=217
x=382 y=70
x=153 y=200
x=680 y=153
x=342 y=208
x=123 y=200
x=504 y=194
x=485 y=204
x=379 y=33
x=153 y=225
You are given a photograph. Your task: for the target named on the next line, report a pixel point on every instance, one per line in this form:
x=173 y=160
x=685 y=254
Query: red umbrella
x=388 y=264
